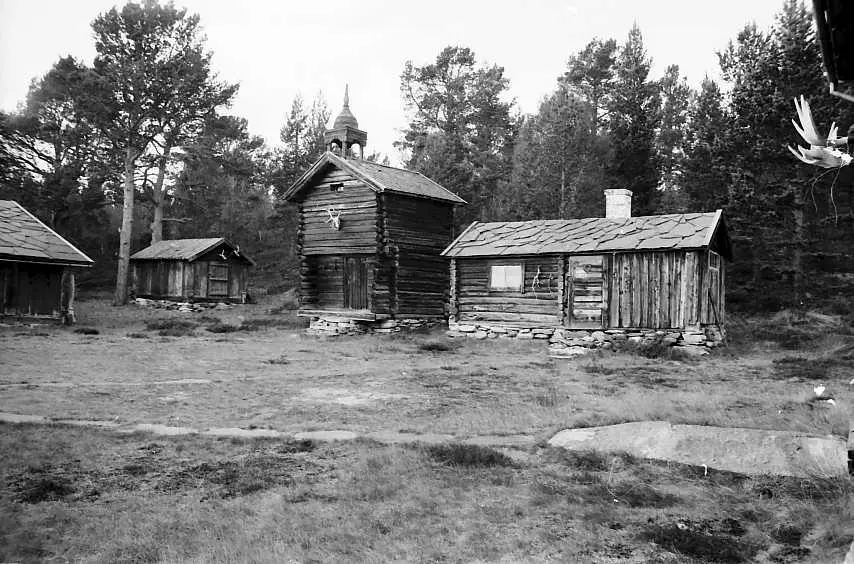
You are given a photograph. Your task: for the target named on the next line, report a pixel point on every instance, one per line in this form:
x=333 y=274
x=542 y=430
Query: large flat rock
x=746 y=451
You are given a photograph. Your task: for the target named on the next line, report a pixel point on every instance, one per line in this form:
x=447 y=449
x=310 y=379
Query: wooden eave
x=27 y=260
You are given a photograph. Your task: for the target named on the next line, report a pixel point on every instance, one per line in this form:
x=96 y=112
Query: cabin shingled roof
x=381 y=178
x=590 y=235
x=184 y=249
x=23 y=237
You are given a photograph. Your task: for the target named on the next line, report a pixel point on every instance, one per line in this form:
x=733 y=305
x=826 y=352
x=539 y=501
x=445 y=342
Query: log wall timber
x=418 y=230
x=536 y=304
x=382 y=289
x=358 y=220
x=453 y=301
x=323 y=280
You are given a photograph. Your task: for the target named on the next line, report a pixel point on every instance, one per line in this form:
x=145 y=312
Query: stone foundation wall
x=572 y=342
x=334 y=325
x=483 y=331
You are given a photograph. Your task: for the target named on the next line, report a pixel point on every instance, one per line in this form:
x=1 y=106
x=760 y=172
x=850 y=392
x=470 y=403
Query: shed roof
x=592 y=235
x=186 y=249
x=24 y=238
x=380 y=178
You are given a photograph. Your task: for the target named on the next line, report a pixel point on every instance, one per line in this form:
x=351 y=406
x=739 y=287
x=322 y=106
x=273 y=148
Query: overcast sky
x=275 y=49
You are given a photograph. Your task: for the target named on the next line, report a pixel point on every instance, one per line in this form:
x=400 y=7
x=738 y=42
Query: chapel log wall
x=417 y=231
x=358 y=206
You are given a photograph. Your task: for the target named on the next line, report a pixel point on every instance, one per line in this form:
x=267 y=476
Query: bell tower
x=345 y=132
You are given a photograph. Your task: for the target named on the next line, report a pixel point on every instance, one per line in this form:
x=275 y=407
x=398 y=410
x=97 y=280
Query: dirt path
x=512 y=445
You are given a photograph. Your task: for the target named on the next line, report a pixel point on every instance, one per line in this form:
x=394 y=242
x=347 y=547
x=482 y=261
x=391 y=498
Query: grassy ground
x=82 y=494
x=95 y=496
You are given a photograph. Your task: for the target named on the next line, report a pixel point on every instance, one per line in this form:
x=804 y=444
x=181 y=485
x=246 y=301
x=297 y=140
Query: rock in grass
x=746 y=451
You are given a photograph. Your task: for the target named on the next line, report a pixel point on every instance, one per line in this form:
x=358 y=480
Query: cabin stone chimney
x=618 y=203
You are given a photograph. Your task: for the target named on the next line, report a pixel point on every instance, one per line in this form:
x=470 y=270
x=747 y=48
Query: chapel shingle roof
x=591 y=235
x=184 y=249
x=381 y=178
x=23 y=237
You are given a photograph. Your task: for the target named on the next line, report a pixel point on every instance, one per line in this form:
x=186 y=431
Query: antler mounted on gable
x=822 y=152
x=334 y=218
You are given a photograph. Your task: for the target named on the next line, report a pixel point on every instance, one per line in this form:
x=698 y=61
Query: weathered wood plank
x=692 y=276
x=625 y=291
x=654 y=261
x=638 y=285
x=501 y=316
x=614 y=291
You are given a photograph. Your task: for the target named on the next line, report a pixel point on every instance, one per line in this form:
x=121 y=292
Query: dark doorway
x=355 y=282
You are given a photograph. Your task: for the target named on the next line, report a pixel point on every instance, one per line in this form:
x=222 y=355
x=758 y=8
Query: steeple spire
x=345 y=131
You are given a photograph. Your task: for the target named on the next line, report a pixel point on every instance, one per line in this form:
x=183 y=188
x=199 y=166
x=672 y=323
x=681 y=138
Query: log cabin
x=662 y=272
x=36 y=266
x=210 y=269
x=369 y=239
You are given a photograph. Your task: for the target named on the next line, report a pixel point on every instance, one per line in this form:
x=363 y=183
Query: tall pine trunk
x=799 y=241
x=121 y=296
x=157 y=196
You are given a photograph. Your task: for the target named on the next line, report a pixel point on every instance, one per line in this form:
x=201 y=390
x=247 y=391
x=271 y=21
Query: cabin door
x=355 y=282
x=585 y=282
x=218 y=280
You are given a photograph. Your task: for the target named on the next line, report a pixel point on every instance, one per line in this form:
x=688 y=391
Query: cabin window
x=506 y=277
x=336 y=187
x=714 y=260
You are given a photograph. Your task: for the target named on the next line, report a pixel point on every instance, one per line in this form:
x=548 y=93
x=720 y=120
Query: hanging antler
x=334 y=218
x=822 y=152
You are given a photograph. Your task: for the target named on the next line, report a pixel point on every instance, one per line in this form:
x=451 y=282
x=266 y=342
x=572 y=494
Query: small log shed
x=370 y=235
x=212 y=269
x=35 y=264
x=616 y=272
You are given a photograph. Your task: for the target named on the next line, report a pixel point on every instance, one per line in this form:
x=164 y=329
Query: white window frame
x=507 y=277
x=717 y=262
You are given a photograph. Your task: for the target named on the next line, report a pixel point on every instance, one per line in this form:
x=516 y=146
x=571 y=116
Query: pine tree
x=460 y=132
x=633 y=119
x=150 y=68
x=705 y=175
x=673 y=128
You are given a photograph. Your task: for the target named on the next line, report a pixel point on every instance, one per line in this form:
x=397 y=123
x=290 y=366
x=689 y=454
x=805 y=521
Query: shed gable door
x=356 y=282
x=218 y=280
x=585 y=280
x=160 y=278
